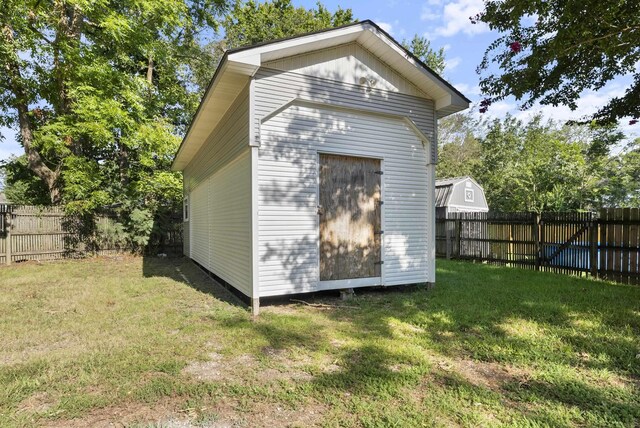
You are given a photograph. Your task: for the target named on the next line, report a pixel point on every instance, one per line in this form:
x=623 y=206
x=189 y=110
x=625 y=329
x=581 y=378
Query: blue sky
x=446 y=24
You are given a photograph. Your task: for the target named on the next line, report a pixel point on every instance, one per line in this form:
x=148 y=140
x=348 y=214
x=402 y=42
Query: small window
x=185 y=208
x=468 y=195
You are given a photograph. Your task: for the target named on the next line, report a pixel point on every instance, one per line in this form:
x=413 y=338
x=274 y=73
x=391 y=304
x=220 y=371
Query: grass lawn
x=155 y=343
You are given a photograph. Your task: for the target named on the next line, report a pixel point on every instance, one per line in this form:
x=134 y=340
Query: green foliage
x=459 y=149
x=253 y=22
x=552 y=51
x=623 y=177
x=421 y=47
x=100 y=92
x=20 y=185
x=140 y=226
x=540 y=166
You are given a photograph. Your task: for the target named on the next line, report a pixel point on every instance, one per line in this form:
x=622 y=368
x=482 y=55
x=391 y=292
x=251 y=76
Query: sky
x=446 y=24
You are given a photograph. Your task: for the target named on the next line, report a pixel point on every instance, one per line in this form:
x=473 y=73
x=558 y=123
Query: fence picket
x=39 y=233
x=605 y=246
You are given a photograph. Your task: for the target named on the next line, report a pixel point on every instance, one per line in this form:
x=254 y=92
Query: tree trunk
x=150 y=70
x=21 y=104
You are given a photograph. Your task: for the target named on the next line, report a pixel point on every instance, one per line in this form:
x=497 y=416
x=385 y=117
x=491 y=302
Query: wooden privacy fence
x=45 y=233
x=604 y=245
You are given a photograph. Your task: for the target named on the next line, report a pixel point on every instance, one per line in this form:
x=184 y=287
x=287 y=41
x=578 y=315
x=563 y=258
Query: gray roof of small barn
x=450 y=181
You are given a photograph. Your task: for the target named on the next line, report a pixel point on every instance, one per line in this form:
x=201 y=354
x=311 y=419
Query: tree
x=459 y=150
x=543 y=166
x=421 y=48
x=100 y=90
x=21 y=186
x=552 y=51
x=622 y=179
x=253 y=22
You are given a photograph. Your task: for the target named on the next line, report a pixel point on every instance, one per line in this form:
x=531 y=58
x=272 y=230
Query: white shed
x=310 y=165
x=459 y=195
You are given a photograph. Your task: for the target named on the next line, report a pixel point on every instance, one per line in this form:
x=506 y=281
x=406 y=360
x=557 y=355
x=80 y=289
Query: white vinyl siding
x=274 y=89
x=347 y=63
x=218 y=180
x=288 y=220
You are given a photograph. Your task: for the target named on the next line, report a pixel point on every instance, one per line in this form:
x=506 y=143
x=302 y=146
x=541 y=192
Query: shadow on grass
x=563 y=331
x=181 y=269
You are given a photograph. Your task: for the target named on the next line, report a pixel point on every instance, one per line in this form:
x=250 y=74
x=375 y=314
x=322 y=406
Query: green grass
x=129 y=340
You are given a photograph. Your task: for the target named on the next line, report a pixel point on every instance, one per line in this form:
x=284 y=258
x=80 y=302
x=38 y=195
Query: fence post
x=458 y=236
x=593 y=246
x=447 y=234
x=8 y=239
x=535 y=220
x=541 y=255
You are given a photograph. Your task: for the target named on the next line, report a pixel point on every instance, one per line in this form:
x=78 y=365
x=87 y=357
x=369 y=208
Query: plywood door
x=350 y=212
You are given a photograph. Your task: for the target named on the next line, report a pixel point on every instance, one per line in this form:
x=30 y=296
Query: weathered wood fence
x=604 y=245
x=45 y=233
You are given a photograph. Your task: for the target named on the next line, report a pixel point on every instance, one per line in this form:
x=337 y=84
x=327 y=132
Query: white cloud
x=587 y=104
x=7 y=152
x=501 y=108
x=469 y=91
x=456 y=15
x=451 y=63
x=9 y=146
x=392 y=28
x=428 y=14
x=462 y=87
x=385 y=26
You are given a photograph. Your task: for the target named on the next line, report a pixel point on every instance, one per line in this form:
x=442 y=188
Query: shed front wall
x=457 y=202
x=218 y=185
x=290 y=141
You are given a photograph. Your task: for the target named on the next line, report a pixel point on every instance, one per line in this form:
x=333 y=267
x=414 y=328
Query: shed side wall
x=218 y=182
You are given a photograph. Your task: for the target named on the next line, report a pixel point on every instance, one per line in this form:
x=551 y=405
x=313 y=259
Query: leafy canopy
x=99 y=92
x=551 y=51
x=540 y=166
x=421 y=48
x=253 y=22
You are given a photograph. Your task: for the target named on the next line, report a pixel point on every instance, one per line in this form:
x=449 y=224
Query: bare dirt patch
x=230 y=413
x=277 y=366
x=488 y=374
x=39 y=402
x=121 y=416
x=225 y=412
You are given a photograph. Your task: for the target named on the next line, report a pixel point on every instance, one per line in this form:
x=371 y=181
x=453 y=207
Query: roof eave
x=247 y=60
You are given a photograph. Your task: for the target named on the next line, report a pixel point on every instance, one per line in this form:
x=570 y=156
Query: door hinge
x=381 y=262
x=378 y=172
x=378 y=232
x=380 y=202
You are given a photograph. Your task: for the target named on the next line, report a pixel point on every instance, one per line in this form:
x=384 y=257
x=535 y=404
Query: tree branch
x=595 y=39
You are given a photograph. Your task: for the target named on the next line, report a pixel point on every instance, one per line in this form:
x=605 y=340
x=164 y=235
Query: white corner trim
x=255 y=221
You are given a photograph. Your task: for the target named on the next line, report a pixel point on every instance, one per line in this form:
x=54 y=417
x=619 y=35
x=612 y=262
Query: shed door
x=349 y=213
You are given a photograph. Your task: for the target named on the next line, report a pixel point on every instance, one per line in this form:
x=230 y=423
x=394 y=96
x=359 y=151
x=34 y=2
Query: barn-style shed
x=310 y=165
x=459 y=195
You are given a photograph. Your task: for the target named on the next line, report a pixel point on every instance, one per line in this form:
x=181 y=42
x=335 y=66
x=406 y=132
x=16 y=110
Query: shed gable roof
x=239 y=65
